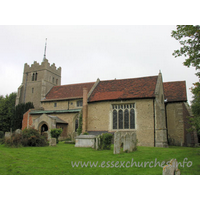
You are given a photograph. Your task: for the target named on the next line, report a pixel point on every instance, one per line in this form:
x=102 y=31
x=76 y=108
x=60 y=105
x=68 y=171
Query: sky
x=88 y=52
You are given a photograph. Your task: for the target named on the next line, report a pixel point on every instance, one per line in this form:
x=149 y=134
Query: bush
x=85 y=133
x=105 y=140
x=55 y=133
x=14 y=141
x=2 y=134
x=29 y=137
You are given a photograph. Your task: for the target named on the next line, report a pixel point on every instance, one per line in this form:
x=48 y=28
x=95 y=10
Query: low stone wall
x=85 y=141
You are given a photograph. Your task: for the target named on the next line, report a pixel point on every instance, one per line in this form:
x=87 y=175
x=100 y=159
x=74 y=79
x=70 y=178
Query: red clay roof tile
x=68 y=91
x=175 y=91
x=124 y=89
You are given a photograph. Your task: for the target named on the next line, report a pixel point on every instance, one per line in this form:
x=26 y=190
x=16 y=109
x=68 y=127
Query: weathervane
x=45 y=50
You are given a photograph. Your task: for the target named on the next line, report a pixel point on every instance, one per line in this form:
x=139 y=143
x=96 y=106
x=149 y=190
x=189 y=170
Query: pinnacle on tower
x=45 y=50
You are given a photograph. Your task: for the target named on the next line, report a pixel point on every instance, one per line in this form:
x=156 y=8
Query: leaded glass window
x=132 y=118
x=120 y=118
x=123 y=116
x=114 y=119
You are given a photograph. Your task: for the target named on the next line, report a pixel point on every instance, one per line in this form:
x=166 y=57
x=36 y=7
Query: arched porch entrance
x=44 y=128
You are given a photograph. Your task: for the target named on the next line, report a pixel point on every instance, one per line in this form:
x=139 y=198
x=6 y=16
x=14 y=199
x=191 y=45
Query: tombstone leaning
x=117 y=142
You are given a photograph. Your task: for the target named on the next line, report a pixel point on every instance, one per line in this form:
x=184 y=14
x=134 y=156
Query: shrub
x=32 y=137
x=104 y=141
x=2 y=134
x=14 y=141
x=29 y=137
x=55 y=133
x=85 y=133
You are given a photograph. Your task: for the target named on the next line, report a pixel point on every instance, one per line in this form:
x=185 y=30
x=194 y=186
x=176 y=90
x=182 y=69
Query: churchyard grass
x=57 y=160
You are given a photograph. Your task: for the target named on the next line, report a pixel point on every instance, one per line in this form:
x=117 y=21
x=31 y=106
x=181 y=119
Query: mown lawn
x=58 y=160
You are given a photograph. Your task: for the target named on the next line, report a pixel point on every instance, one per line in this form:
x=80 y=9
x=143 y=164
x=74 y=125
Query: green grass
x=57 y=160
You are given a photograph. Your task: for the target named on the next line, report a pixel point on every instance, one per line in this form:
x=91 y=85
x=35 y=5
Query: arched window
x=76 y=125
x=126 y=119
x=132 y=118
x=114 y=119
x=120 y=118
x=123 y=116
x=36 y=76
x=33 y=77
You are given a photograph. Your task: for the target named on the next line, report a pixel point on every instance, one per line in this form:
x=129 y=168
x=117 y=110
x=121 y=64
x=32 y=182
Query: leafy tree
x=11 y=116
x=55 y=133
x=20 y=109
x=189 y=38
x=7 y=112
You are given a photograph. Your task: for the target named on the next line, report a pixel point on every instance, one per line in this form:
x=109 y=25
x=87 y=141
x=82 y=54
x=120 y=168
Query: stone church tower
x=37 y=81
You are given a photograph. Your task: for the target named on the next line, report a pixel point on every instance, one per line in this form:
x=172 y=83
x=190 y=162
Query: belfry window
x=34 y=76
x=123 y=116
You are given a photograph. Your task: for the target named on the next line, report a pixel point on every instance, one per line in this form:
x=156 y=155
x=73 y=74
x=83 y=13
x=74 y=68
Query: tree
x=20 y=109
x=189 y=38
x=7 y=112
x=11 y=116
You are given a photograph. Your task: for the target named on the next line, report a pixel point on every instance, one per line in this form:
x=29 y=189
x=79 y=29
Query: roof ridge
x=73 y=84
x=129 y=78
x=174 y=81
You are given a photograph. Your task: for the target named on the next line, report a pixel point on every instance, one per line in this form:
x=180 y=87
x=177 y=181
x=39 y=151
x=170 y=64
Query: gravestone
x=8 y=135
x=18 y=131
x=127 y=143
x=52 y=142
x=133 y=144
x=172 y=168
x=127 y=140
x=117 y=142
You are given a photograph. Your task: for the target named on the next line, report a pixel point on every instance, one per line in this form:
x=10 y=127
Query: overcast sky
x=86 y=53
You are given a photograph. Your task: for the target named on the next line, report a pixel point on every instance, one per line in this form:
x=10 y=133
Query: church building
x=156 y=111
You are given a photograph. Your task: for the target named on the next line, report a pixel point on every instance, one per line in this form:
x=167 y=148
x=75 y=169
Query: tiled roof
x=58 y=120
x=175 y=91
x=124 y=89
x=68 y=91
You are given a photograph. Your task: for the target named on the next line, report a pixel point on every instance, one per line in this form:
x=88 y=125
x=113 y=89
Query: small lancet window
x=33 y=77
x=36 y=76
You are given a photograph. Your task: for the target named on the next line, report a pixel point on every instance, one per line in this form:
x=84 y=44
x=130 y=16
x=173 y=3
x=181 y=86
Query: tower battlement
x=45 y=65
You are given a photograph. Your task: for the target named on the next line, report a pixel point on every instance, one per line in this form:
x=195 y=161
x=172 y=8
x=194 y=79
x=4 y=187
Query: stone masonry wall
x=61 y=105
x=100 y=119
x=175 y=124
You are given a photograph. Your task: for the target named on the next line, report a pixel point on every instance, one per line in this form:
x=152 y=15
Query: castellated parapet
x=37 y=81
